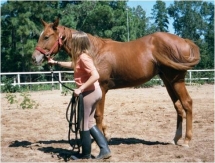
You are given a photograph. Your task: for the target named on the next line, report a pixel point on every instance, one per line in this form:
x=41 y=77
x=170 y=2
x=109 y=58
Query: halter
x=57 y=43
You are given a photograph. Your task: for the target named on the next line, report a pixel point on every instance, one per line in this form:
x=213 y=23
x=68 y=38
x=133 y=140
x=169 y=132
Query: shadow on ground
x=65 y=154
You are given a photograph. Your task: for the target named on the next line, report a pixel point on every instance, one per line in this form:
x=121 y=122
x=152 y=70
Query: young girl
x=86 y=78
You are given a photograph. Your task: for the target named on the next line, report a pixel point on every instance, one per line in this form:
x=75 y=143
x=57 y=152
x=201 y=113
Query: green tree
x=105 y=19
x=195 y=20
x=138 y=23
x=160 y=14
x=119 y=21
x=20 y=27
x=207 y=45
x=187 y=19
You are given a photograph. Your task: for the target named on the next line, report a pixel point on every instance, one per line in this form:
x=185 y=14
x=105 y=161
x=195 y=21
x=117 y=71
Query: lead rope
x=74 y=119
x=76 y=115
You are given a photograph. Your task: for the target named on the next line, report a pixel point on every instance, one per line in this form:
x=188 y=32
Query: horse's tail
x=178 y=57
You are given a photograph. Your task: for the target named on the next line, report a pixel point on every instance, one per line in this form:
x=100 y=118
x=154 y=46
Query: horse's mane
x=95 y=40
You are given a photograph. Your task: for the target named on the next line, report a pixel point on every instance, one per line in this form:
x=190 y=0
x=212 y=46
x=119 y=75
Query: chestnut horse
x=127 y=64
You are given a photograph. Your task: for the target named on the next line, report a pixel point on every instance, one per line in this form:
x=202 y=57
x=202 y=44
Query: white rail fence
x=17 y=77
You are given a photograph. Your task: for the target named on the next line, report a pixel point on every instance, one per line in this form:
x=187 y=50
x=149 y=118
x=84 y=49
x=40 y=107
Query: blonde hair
x=80 y=44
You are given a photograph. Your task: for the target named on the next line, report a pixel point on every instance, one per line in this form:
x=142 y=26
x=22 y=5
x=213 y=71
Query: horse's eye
x=46 y=37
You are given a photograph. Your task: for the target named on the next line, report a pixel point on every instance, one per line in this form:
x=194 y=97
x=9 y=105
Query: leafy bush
x=26 y=102
x=11 y=98
x=8 y=85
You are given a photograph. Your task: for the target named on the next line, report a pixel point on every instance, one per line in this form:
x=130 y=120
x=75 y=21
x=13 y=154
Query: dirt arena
x=140 y=123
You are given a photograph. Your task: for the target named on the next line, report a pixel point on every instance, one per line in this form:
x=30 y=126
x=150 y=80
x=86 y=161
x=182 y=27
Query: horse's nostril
x=34 y=59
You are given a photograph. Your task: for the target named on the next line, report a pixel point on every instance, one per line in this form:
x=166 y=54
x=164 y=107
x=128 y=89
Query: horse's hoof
x=108 y=137
x=185 y=145
x=172 y=142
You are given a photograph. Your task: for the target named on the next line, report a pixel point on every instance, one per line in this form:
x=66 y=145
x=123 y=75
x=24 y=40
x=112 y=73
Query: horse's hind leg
x=186 y=102
x=178 y=107
x=179 y=110
x=182 y=101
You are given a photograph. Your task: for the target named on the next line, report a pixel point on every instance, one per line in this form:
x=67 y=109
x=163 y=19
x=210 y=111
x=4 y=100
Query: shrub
x=26 y=102
x=8 y=85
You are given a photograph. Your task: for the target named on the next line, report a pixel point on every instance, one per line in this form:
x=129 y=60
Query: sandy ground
x=140 y=124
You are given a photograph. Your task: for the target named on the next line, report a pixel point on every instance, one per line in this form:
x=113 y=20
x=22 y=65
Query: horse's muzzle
x=37 y=57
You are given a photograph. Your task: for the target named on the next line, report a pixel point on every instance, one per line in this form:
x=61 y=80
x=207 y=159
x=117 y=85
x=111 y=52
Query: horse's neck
x=96 y=42
x=68 y=38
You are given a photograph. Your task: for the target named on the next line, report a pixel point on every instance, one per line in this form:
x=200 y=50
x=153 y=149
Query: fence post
x=190 y=74
x=14 y=81
x=52 y=80
x=60 y=81
x=18 y=76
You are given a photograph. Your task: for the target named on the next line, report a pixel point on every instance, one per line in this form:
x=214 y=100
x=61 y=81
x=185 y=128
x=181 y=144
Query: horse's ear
x=55 y=24
x=43 y=22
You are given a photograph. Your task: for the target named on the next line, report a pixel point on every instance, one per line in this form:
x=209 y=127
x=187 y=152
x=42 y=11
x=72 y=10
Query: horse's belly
x=123 y=83
x=131 y=80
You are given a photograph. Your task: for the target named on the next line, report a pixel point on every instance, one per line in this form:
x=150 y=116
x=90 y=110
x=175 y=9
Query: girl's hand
x=77 y=92
x=51 y=61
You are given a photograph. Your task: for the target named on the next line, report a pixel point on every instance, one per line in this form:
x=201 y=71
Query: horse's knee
x=98 y=118
x=187 y=105
x=179 y=108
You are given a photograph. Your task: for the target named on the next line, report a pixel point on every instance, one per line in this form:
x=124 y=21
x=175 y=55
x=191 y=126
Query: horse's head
x=49 y=43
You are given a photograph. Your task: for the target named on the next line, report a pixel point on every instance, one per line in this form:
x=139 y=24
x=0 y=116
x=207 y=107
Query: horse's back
x=135 y=62
x=169 y=39
x=129 y=63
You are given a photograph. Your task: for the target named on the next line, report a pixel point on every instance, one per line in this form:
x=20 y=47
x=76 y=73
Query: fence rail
x=190 y=77
x=17 y=77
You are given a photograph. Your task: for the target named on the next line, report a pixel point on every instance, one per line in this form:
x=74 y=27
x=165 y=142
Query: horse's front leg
x=99 y=114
